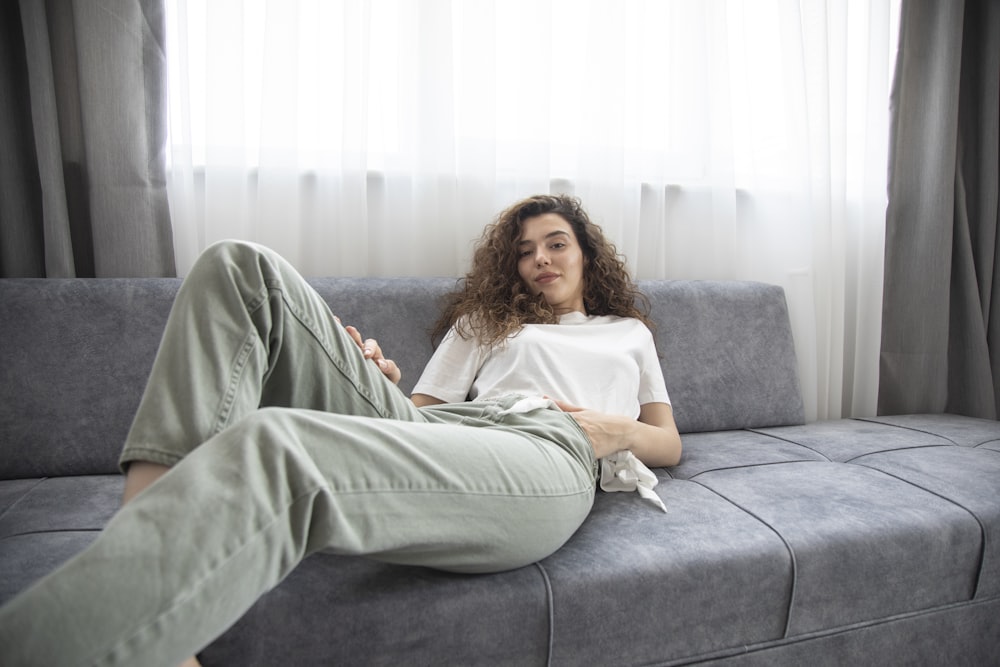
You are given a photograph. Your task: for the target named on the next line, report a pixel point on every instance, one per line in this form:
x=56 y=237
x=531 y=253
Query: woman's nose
x=541 y=258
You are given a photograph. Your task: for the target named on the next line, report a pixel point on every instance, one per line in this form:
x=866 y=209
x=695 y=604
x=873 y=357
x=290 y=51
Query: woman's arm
x=653 y=438
x=420 y=400
x=666 y=445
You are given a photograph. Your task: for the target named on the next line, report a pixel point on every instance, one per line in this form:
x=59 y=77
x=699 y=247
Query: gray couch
x=846 y=542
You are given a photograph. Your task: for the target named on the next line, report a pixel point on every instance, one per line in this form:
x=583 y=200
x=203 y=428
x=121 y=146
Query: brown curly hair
x=492 y=297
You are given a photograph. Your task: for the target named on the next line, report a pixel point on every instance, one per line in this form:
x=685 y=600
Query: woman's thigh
x=450 y=496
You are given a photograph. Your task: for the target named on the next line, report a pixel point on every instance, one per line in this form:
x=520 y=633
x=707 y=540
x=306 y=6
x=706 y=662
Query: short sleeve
x=652 y=387
x=452 y=369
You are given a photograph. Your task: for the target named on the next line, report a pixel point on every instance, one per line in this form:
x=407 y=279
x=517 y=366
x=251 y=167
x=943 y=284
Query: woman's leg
x=183 y=561
x=247 y=331
x=254 y=491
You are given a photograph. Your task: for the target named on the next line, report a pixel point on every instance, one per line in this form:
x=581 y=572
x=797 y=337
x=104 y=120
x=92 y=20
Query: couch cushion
x=844 y=440
x=45 y=521
x=76 y=356
x=953 y=457
x=865 y=545
x=969 y=477
x=705 y=452
x=766 y=543
x=636 y=586
x=727 y=353
x=957 y=429
x=831 y=518
x=335 y=610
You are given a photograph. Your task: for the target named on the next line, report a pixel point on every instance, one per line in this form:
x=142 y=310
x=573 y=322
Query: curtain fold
x=83 y=186
x=940 y=348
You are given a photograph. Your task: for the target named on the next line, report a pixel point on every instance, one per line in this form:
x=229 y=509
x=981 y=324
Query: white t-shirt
x=604 y=363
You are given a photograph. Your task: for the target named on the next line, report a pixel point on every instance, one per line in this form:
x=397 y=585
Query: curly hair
x=492 y=302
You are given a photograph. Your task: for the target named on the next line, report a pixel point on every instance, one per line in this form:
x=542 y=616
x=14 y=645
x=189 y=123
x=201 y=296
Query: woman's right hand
x=371 y=350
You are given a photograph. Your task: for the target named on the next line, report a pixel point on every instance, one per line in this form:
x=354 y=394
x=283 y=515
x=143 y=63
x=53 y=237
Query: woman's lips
x=546 y=278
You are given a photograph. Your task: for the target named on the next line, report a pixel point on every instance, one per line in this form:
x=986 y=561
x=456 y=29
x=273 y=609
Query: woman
x=268 y=431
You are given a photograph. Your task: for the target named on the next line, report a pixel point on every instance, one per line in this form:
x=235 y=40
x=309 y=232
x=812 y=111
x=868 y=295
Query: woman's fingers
x=355 y=335
x=390 y=370
x=371 y=350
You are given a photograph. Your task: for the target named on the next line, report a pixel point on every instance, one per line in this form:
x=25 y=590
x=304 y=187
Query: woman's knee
x=228 y=250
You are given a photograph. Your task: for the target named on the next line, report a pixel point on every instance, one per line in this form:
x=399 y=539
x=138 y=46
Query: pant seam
x=236 y=377
x=346 y=370
x=503 y=493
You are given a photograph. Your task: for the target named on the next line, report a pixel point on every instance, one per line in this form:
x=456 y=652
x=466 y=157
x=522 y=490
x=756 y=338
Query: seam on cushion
x=788 y=547
x=761 y=648
x=955 y=503
x=905 y=427
x=895 y=449
x=791 y=442
x=550 y=602
x=22 y=497
x=756 y=465
x=986 y=442
x=56 y=531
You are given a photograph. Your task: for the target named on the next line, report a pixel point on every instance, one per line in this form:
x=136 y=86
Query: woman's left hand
x=653 y=438
x=607 y=433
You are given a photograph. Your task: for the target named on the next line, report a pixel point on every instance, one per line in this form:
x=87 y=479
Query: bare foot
x=190 y=662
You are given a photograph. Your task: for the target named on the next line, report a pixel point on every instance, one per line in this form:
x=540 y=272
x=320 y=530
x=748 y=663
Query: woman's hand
x=653 y=438
x=371 y=350
x=607 y=433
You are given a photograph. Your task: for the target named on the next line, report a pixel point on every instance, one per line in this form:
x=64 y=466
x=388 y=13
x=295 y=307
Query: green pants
x=284 y=441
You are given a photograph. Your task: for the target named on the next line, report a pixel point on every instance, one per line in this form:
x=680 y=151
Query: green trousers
x=284 y=441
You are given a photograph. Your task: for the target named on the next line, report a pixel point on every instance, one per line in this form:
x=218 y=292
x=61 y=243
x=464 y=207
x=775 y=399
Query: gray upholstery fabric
x=342 y=611
x=45 y=521
x=77 y=353
x=635 y=586
x=841 y=542
x=75 y=359
x=866 y=546
x=728 y=355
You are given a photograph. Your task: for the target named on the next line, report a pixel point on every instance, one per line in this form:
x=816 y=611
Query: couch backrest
x=75 y=355
x=727 y=354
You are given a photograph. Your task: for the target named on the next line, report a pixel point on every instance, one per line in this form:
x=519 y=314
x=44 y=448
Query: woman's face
x=550 y=262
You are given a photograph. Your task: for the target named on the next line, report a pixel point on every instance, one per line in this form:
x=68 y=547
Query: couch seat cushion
x=865 y=545
x=635 y=585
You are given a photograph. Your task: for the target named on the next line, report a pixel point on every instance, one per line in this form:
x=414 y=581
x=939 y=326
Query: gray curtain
x=83 y=135
x=941 y=313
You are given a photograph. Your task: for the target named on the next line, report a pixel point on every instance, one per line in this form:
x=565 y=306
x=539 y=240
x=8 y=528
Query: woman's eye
x=558 y=246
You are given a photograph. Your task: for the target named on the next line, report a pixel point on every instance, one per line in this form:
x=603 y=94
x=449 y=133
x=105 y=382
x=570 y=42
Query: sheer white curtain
x=711 y=139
